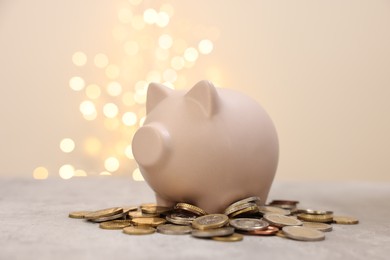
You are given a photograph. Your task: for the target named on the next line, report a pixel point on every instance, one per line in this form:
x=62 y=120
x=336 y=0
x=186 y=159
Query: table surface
x=35 y=224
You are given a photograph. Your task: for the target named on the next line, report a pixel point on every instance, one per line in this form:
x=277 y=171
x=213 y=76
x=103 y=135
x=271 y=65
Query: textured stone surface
x=34 y=223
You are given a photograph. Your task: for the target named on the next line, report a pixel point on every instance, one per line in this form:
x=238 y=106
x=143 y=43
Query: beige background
x=320 y=68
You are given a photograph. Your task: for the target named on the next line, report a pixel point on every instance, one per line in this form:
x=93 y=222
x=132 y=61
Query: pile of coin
x=280 y=218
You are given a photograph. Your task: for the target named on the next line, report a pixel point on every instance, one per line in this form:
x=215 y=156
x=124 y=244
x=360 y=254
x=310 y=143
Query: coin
x=270 y=209
x=153 y=222
x=180 y=218
x=245 y=211
x=235 y=208
x=281 y=234
x=281 y=220
x=210 y=221
x=319 y=226
x=103 y=219
x=303 y=233
x=232 y=238
x=170 y=229
x=315 y=218
x=255 y=200
x=215 y=232
x=284 y=202
x=78 y=214
x=139 y=214
x=155 y=209
x=115 y=224
x=248 y=224
x=191 y=208
x=140 y=230
x=316 y=212
x=129 y=208
x=345 y=220
x=103 y=213
x=271 y=230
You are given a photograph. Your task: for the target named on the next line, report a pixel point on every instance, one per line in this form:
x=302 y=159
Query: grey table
x=34 y=223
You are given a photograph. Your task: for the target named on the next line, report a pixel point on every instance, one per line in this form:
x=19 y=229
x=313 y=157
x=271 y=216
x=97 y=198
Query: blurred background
x=74 y=74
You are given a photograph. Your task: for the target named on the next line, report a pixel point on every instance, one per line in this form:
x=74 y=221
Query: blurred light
x=152 y=76
x=80 y=173
x=76 y=83
x=205 y=46
x=142 y=121
x=170 y=75
x=162 y=19
x=128 y=98
x=169 y=84
x=135 y=2
x=111 y=164
x=124 y=15
x=129 y=118
x=179 y=45
x=40 y=173
x=162 y=54
x=114 y=89
x=111 y=123
x=150 y=16
x=112 y=71
x=101 y=60
x=181 y=81
x=191 y=54
x=140 y=98
x=67 y=145
x=92 y=146
x=165 y=41
x=131 y=48
x=167 y=8
x=129 y=152
x=141 y=87
x=110 y=110
x=79 y=58
x=93 y=91
x=105 y=173
x=87 y=108
x=177 y=62
x=137 y=176
x=138 y=22
x=66 y=171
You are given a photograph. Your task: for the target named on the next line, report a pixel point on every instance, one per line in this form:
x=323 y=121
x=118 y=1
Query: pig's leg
x=163 y=202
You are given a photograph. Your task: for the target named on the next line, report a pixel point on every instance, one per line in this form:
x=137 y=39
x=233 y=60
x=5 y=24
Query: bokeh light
x=111 y=164
x=93 y=91
x=129 y=118
x=79 y=58
x=110 y=110
x=205 y=46
x=137 y=175
x=114 y=88
x=40 y=173
x=191 y=54
x=101 y=60
x=67 y=145
x=66 y=171
x=150 y=16
x=76 y=83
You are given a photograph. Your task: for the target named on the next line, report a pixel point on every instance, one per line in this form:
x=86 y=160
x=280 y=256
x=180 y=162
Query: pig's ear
x=206 y=95
x=156 y=93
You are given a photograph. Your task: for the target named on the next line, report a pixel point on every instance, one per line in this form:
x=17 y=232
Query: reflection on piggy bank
x=209 y=147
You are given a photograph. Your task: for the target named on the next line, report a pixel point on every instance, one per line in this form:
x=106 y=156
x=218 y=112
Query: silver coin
x=103 y=219
x=249 y=224
x=303 y=233
x=180 y=219
x=234 y=208
x=217 y=232
x=255 y=200
x=281 y=220
x=271 y=209
x=169 y=229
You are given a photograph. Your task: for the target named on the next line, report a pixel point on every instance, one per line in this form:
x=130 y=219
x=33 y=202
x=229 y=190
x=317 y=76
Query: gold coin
x=303 y=233
x=281 y=234
x=155 y=209
x=345 y=220
x=129 y=208
x=232 y=209
x=318 y=225
x=103 y=213
x=140 y=230
x=115 y=224
x=281 y=220
x=270 y=209
x=255 y=200
x=248 y=210
x=315 y=218
x=232 y=238
x=105 y=219
x=191 y=208
x=139 y=214
x=152 y=222
x=78 y=214
x=210 y=221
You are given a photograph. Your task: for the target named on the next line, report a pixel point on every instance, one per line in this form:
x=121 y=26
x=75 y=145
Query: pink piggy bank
x=208 y=147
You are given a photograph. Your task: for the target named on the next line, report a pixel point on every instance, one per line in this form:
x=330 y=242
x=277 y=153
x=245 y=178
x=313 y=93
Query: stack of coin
x=248 y=216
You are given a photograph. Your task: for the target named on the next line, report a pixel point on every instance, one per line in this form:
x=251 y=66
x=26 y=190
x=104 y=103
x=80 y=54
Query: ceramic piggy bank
x=208 y=147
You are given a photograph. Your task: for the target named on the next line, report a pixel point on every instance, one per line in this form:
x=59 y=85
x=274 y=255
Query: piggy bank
x=208 y=147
